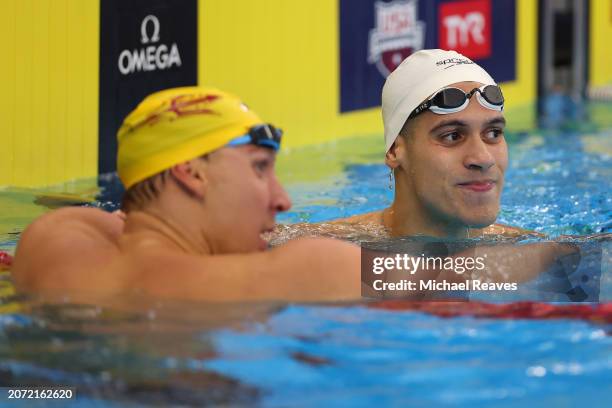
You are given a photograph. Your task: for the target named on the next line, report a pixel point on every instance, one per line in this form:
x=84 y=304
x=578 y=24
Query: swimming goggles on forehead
x=260 y=135
x=452 y=100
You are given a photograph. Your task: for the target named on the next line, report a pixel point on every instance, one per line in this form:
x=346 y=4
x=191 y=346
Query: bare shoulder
x=61 y=222
x=374 y=217
x=64 y=242
x=507 y=231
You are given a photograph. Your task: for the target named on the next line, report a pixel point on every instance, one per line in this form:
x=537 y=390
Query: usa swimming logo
x=396 y=35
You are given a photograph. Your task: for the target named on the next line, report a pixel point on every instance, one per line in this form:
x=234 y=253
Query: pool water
x=194 y=354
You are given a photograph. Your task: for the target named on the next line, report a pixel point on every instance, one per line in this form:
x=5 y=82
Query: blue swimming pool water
x=308 y=356
x=377 y=358
x=559 y=182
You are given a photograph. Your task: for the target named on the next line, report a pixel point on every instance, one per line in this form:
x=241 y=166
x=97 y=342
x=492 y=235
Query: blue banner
x=375 y=36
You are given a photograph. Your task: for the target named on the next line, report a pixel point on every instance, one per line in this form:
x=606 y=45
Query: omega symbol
x=143 y=29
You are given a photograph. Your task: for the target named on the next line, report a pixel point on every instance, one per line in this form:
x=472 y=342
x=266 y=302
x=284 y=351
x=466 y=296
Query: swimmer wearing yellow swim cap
x=198 y=166
x=180 y=124
x=190 y=126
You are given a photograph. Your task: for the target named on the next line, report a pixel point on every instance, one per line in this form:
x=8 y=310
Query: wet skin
x=449 y=174
x=452 y=166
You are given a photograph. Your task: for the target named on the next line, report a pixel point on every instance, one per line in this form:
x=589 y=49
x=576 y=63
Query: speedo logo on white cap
x=453 y=62
x=417 y=78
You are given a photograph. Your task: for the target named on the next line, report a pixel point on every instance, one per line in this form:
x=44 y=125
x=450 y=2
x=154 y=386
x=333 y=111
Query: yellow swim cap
x=176 y=125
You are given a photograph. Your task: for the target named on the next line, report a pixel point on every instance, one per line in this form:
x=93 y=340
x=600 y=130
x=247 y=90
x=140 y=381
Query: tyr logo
x=466 y=27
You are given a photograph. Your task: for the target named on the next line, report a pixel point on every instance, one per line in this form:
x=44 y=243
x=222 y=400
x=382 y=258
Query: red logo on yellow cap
x=182 y=105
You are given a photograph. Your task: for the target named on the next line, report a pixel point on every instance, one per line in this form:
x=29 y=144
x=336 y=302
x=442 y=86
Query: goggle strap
x=240 y=140
x=424 y=106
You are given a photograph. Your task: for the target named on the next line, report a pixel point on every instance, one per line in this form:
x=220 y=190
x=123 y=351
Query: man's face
x=455 y=164
x=242 y=198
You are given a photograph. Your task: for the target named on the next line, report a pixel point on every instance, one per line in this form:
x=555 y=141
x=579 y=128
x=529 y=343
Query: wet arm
x=303 y=270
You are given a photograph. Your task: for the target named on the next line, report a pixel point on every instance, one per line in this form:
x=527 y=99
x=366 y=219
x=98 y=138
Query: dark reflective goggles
x=260 y=135
x=452 y=100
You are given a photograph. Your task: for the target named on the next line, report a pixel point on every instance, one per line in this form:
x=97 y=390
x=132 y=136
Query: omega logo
x=152 y=57
x=143 y=29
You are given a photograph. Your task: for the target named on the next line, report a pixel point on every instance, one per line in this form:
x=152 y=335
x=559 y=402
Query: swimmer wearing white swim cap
x=445 y=147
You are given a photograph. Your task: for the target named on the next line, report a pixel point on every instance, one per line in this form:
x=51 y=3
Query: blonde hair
x=142 y=193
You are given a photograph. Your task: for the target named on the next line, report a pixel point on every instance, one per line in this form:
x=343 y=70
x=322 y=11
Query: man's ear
x=396 y=152
x=191 y=177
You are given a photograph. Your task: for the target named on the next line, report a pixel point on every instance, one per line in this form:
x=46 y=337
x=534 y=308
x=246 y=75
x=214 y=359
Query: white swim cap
x=418 y=77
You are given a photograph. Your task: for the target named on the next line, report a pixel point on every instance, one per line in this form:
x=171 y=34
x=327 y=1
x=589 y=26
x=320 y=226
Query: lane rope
x=600 y=312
